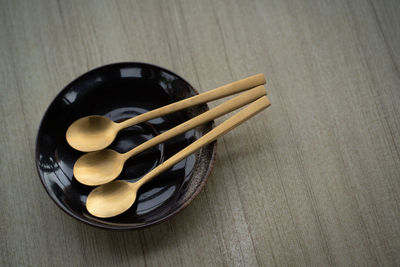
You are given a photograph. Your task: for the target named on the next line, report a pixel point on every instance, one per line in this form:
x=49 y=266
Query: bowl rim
x=123 y=228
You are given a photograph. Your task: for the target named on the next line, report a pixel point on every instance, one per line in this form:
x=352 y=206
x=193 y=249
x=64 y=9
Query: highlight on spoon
x=99 y=167
x=111 y=199
x=91 y=133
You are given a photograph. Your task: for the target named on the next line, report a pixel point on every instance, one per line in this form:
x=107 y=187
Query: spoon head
x=91 y=133
x=99 y=167
x=111 y=199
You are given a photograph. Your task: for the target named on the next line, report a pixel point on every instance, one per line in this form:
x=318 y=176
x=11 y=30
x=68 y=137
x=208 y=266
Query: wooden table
x=313 y=180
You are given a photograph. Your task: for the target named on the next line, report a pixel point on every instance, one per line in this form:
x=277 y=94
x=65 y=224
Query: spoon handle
x=218 y=131
x=220 y=92
x=222 y=109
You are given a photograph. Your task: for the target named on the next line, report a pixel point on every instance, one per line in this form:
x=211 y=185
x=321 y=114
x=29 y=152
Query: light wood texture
x=93 y=133
x=114 y=198
x=314 y=180
x=100 y=167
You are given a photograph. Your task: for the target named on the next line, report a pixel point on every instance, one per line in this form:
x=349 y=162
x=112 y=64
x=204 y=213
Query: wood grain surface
x=313 y=180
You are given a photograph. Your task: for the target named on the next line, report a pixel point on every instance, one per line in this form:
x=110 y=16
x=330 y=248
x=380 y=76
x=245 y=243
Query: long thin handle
x=218 y=131
x=220 y=92
x=222 y=109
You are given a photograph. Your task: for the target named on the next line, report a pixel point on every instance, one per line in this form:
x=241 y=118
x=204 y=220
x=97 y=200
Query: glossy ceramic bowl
x=120 y=91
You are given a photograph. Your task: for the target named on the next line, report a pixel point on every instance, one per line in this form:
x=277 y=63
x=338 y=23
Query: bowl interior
x=120 y=91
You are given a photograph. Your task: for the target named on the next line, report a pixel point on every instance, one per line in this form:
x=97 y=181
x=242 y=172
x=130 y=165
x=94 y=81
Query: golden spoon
x=100 y=167
x=93 y=133
x=118 y=196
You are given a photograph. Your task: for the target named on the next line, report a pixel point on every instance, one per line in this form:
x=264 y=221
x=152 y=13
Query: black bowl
x=120 y=91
